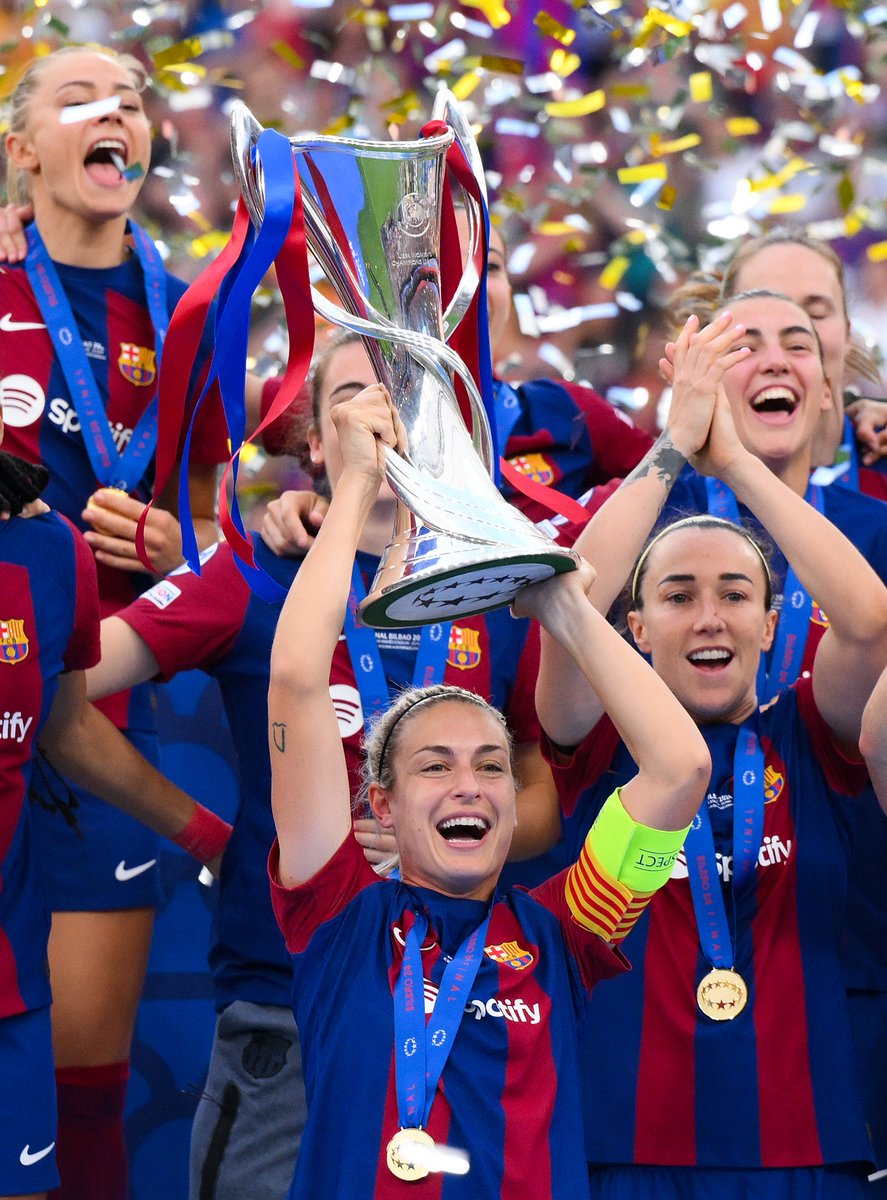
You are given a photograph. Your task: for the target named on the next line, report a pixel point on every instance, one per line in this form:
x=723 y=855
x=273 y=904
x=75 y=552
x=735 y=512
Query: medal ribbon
x=793 y=625
x=111 y=468
x=421 y=1050
x=845 y=468
x=699 y=847
x=366 y=660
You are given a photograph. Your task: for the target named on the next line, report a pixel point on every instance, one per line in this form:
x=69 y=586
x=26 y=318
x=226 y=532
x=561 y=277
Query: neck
x=794 y=473
x=744 y=709
x=75 y=242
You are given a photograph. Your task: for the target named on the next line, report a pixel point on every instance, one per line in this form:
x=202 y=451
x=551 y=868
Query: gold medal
x=400 y=1157
x=722 y=994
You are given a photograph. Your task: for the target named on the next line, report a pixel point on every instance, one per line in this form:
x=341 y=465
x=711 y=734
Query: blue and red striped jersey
x=110 y=308
x=776 y=1086
x=509 y=1093
x=49 y=624
x=214 y=622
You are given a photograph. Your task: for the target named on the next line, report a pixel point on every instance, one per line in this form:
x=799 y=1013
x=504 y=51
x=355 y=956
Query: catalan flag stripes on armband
x=599 y=902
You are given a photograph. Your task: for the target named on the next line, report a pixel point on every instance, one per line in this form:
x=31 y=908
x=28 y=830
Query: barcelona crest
x=138 y=364
x=535 y=467
x=512 y=954
x=817 y=616
x=774 y=781
x=13 y=641
x=464 y=650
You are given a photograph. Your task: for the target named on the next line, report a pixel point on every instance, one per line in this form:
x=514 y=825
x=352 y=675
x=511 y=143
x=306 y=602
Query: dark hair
x=700 y=521
x=20 y=483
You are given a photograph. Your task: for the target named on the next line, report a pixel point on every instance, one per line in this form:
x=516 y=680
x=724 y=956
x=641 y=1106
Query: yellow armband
x=621 y=865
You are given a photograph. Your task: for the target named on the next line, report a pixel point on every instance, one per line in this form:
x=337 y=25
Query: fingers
x=291 y=522
x=377 y=844
x=13 y=244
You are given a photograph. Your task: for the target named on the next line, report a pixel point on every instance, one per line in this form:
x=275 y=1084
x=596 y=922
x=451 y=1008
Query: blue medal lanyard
x=421 y=1050
x=748 y=830
x=111 y=468
x=366 y=660
x=797 y=607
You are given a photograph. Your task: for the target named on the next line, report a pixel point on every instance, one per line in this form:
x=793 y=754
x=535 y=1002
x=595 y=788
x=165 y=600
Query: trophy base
x=434 y=593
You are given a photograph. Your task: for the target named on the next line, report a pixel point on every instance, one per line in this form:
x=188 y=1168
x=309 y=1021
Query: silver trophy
x=372 y=220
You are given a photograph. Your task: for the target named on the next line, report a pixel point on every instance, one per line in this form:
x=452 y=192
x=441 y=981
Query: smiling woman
x=83 y=322
x=510 y=970
x=749 y=928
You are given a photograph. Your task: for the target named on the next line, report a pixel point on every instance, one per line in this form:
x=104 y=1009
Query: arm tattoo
x=278 y=733
x=663 y=460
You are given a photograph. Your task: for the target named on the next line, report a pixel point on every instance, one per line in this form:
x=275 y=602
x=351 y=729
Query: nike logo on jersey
x=9 y=326
x=27 y=1159
x=122 y=872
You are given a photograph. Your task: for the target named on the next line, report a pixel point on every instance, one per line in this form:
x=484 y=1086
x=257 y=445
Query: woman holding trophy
x=371 y=955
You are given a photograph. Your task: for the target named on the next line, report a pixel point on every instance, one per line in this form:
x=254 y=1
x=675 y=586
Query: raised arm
x=873 y=738
x=310 y=795
x=673 y=761
x=567 y=706
x=853 y=652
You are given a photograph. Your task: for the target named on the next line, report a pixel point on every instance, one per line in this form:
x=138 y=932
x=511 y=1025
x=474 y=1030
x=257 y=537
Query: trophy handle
x=447 y=109
x=432 y=354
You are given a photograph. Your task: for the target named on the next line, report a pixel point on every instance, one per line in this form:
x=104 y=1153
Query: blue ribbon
x=232 y=321
x=421 y=1051
x=110 y=467
x=366 y=660
x=508 y=411
x=793 y=625
x=699 y=847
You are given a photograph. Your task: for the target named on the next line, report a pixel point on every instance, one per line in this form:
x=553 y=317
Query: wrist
x=205 y=836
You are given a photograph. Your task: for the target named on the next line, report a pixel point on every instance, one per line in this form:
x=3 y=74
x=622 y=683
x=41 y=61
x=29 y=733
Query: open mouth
x=106 y=161
x=710 y=660
x=775 y=404
x=463 y=829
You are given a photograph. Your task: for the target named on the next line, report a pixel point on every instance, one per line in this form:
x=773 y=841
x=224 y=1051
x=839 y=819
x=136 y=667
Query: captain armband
x=621 y=865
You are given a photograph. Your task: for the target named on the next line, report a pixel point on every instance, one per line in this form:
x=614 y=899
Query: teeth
x=461 y=822
x=710 y=656
x=774 y=394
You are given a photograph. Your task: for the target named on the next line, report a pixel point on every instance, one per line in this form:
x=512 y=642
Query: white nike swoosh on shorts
x=9 y=326
x=27 y=1159
x=122 y=872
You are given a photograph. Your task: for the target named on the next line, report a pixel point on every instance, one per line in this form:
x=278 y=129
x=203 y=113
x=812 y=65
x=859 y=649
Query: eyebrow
x=448 y=750
x=787 y=331
x=348 y=386
x=88 y=83
x=725 y=577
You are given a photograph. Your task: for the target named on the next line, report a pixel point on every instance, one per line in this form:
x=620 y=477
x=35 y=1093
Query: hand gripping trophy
x=372 y=220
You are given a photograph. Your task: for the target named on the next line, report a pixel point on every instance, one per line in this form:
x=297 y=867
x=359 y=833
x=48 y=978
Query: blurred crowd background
x=625 y=144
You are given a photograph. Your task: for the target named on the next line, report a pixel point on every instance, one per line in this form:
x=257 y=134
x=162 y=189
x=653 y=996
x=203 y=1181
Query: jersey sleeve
x=301 y=910
x=190 y=621
x=617 y=443
x=84 y=646
x=595 y=958
x=843 y=774
x=521 y=707
x=282 y=435
x=578 y=771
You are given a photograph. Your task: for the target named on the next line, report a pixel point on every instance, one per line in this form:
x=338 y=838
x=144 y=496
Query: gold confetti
x=667 y=21
x=612 y=273
x=630 y=91
x=591 y=103
x=496 y=62
x=675 y=146
x=788 y=172
x=564 y=64
x=846 y=193
x=666 y=198
x=641 y=173
x=552 y=28
x=742 y=126
x=556 y=228
x=494 y=10
x=465 y=84
x=790 y=202
x=181 y=52
x=285 y=51
x=700 y=87
x=877 y=252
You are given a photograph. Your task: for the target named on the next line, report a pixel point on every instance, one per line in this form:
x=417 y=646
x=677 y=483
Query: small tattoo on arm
x=278 y=732
x=663 y=460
